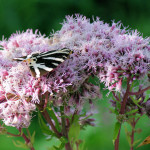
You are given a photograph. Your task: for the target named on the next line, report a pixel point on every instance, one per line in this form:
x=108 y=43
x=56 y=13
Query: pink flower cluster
x=16 y=112
x=101 y=50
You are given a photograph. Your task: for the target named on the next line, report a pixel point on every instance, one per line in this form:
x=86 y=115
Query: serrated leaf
x=116 y=131
x=145 y=142
x=45 y=129
x=74 y=130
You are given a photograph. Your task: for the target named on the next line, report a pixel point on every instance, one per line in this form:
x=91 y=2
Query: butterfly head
x=28 y=60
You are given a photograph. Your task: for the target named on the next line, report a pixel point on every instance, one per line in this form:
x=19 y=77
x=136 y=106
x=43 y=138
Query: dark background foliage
x=46 y=16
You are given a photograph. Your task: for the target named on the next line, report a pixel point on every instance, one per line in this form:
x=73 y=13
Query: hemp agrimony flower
x=98 y=50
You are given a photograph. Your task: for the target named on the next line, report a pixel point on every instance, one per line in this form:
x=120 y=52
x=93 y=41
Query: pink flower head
x=101 y=50
x=16 y=112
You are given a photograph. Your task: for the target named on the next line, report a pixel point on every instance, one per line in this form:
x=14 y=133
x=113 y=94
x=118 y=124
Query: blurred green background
x=46 y=16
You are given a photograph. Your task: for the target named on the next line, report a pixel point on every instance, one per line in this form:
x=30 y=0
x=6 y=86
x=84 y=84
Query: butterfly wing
x=53 y=58
x=42 y=63
x=47 y=61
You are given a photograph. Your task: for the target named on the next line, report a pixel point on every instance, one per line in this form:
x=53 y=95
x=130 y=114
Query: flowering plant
x=118 y=58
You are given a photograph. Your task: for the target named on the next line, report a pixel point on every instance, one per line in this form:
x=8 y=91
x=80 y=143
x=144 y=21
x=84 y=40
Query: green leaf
x=116 y=131
x=20 y=144
x=32 y=137
x=134 y=116
x=63 y=140
x=145 y=142
x=82 y=145
x=44 y=127
x=74 y=130
x=53 y=116
x=62 y=145
x=135 y=142
x=132 y=112
x=127 y=135
x=118 y=105
x=84 y=114
x=146 y=95
x=94 y=80
x=112 y=110
x=51 y=148
x=135 y=101
x=56 y=148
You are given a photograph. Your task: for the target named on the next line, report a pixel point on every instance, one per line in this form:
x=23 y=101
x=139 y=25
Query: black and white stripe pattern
x=42 y=63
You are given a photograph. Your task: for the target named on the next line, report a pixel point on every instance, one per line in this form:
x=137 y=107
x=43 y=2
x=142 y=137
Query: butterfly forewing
x=56 y=52
x=42 y=63
x=53 y=58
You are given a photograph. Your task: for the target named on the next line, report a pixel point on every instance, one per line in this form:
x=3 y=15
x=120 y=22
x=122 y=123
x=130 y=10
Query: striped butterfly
x=42 y=63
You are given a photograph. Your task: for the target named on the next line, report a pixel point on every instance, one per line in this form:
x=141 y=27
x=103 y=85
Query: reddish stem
x=49 y=121
x=132 y=134
x=42 y=108
x=13 y=134
x=117 y=140
x=117 y=98
x=139 y=92
x=68 y=146
x=123 y=105
x=122 y=110
x=26 y=139
x=46 y=100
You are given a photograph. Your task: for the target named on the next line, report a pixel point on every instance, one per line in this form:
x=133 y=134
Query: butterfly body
x=42 y=63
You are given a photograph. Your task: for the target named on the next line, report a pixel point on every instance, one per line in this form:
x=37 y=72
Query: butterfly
x=42 y=63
